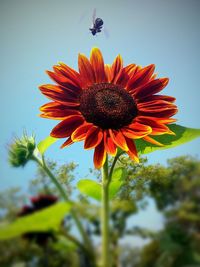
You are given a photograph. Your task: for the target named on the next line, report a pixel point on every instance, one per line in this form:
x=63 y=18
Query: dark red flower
x=107 y=106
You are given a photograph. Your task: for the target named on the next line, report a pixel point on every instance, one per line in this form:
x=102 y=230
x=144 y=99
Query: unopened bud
x=21 y=150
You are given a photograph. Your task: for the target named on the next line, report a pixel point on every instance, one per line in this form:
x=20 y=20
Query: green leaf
x=114 y=188
x=45 y=220
x=63 y=244
x=90 y=188
x=119 y=174
x=118 y=177
x=93 y=189
x=46 y=143
x=183 y=135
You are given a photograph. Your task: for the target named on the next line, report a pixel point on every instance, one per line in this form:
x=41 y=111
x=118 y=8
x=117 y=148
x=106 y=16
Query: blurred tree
x=176 y=191
x=175 y=188
x=11 y=200
x=64 y=174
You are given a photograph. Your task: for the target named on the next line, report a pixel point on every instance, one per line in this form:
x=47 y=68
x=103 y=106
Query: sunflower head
x=107 y=106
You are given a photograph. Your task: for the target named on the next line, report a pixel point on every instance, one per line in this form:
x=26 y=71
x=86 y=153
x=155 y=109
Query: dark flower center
x=107 y=106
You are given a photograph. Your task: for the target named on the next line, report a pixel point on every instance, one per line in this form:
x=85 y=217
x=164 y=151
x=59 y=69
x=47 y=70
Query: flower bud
x=21 y=150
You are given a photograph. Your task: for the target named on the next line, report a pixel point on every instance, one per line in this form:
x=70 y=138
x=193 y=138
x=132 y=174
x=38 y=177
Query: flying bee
x=97 y=24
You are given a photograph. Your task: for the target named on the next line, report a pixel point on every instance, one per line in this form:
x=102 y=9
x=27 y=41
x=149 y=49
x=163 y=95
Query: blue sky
x=37 y=34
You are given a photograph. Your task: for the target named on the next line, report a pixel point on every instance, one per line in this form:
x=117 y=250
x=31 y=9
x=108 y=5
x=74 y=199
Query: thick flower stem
x=105 y=216
x=65 y=197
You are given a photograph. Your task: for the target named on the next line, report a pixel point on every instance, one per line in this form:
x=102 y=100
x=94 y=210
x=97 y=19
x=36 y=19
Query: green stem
x=65 y=197
x=113 y=166
x=105 y=216
x=53 y=178
x=72 y=238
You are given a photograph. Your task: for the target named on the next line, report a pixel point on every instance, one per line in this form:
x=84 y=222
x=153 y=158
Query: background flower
x=37 y=203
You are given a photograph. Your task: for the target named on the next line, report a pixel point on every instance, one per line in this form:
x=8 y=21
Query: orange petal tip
x=81 y=55
x=95 y=49
x=41 y=86
x=61 y=63
x=171 y=132
x=48 y=72
x=137 y=160
x=164 y=81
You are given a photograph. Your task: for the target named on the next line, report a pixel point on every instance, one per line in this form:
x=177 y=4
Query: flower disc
x=107 y=106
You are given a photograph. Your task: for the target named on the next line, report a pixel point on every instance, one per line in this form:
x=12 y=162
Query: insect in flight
x=97 y=24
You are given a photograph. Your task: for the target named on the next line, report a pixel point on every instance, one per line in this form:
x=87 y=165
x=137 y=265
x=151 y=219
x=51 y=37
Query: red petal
x=63 y=81
x=59 y=115
x=141 y=77
x=116 y=66
x=86 y=71
x=157 y=128
x=99 y=155
x=93 y=137
x=160 y=113
x=60 y=94
x=68 y=142
x=67 y=126
x=52 y=106
x=156 y=106
x=110 y=146
x=56 y=110
x=151 y=88
x=130 y=69
x=152 y=141
x=136 y=130
x=108 y=72
x=159 y=120
x=122 y=78
x=68 y=72
x=59 y=89
x=132 y=151
x=55 y=106
x=97 y=63
x=157 y=97
x=138 y=127
x=80 y=133
x=119 y=139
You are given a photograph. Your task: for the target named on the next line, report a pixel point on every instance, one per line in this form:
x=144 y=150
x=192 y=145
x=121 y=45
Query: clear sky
x=37 y=34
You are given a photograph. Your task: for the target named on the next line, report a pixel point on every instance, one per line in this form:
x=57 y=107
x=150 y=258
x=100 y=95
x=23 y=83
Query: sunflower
x=107 y=106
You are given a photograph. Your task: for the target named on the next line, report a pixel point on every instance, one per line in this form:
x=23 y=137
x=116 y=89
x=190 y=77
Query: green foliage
x=175 y=188
x=19 y=253
x=41 y=221
x=171 y=185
